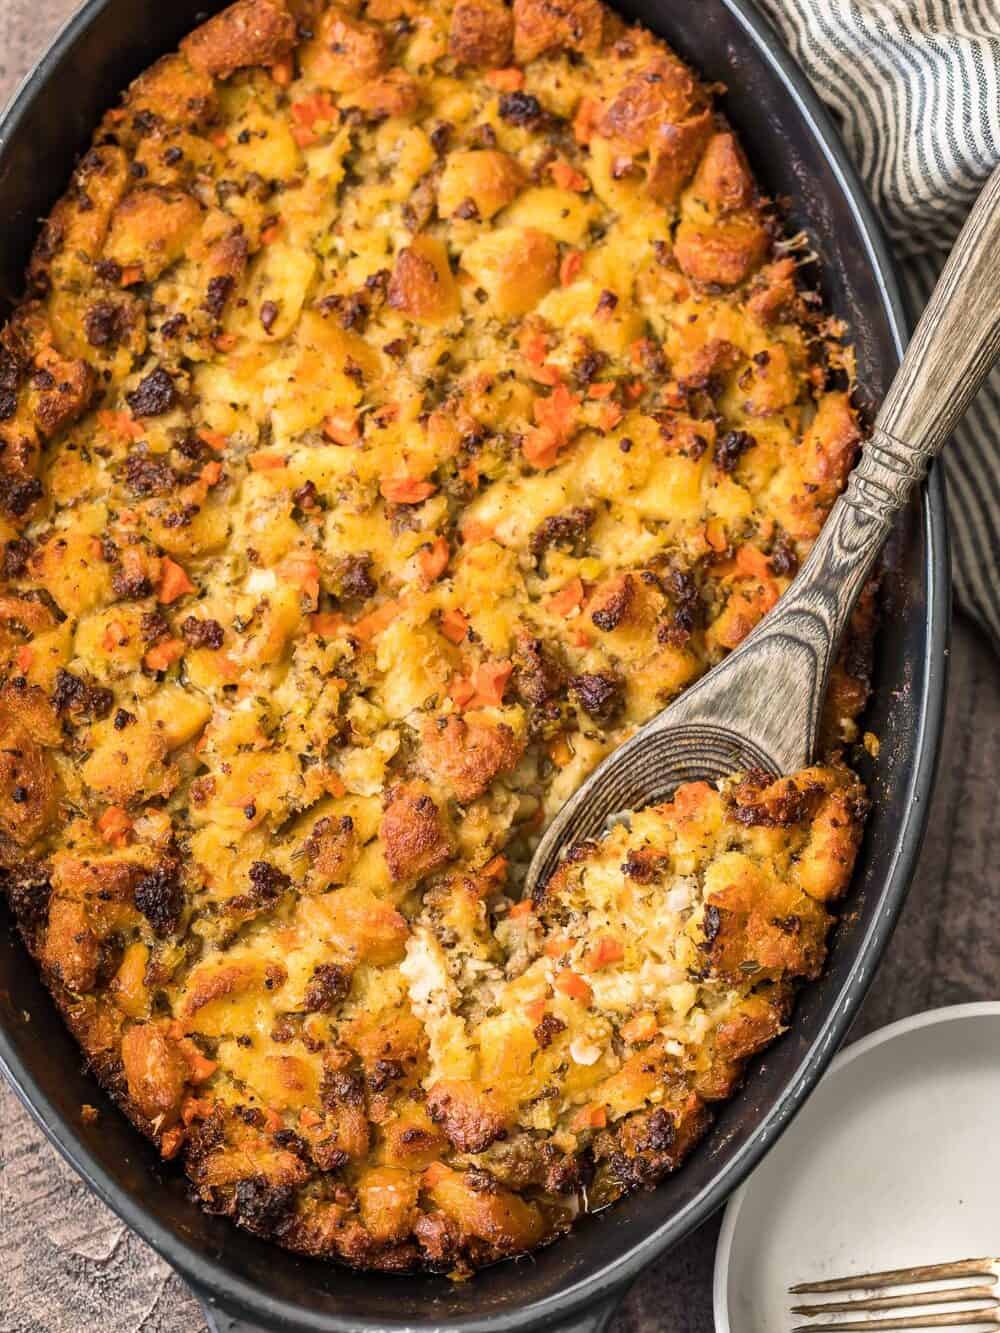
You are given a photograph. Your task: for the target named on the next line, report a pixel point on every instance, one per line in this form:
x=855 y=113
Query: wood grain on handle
x=957 y=339
x=770 y=691
x=956 y=343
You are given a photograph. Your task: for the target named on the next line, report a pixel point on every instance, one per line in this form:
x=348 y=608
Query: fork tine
x=948 y=1296
x=897 y=1277
x=959 y=1319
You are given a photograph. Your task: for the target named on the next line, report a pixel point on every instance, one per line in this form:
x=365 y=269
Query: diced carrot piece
x=174 y=582
x=335 y=786
x=327 y=623
x=535 y=1009
x=567 y=177
x=533 y=348
x=270 y=234
x=211 y=473
x=213 y=438
x=603 y=390
x=164 y=655
x=309 y=1118
x=376 y=621
x=559 y=751
x=113 y=635
x=462 y=690
x=266 y=460
x=715 y=535
x=454 y=625
x=406 y=490
x=490 y=680
x=585 y=120
x=752 y=563
x=540 y=447
x=131 y=274
x=557 y=945
x=114 y=826
x=224 y=342
x=611 y=416
x=690 y=798
x=283 y=71
x=570 y=267
x=342 y=428
x=573 y=985
x=605 y=951
x=317 y=106
x=302 y=572
x=120 y=423
x=557 y=411
x=510 y=80
x=549 y=375
x=433 y=1174
x=434 y=559
x=23 y=658
x=220 y=139
x=568 y=598
x=590 y=1117
x=496 y=868
x=475 y=532
x=641 y=1028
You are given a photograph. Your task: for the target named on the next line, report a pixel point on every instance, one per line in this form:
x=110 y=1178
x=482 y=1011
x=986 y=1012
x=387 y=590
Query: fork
x=761 y=707
x=988 y=1314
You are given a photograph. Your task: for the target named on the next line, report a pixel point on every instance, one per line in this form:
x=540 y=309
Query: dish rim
x=211 y=1278
x=902 y=1027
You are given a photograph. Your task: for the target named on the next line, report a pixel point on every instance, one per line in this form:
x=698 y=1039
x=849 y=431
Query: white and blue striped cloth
x=915 y=87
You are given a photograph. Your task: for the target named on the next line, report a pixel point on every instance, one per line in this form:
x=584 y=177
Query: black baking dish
x=248 y=1284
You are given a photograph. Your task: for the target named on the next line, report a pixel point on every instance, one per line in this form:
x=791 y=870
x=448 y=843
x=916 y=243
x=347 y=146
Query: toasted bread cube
x=724 y=254
x=249 y=32
x=387 y=1196
x=175 y=93
x=394 y=94
x=468 y=755
x=481 y=33
x=156 y=1072
x=422 y=286
x=71 y=950
x=542 y=27
x=486 y=178
x=498 y=1216
x=515 y=266
x=150 y=229
x=345 y=52
x=723 y=181
x=414 y=838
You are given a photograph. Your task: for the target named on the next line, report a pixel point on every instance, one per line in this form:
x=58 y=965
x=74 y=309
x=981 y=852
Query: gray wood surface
x=68 y=1266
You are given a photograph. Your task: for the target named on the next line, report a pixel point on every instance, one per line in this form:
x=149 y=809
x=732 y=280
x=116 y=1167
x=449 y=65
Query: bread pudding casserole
x=409 y=400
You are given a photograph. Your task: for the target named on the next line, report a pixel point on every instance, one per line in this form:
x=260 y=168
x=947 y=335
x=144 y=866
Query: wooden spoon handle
x=953 y=349
x=785 y=663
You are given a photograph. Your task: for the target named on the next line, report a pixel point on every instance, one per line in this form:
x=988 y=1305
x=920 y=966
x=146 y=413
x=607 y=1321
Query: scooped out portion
x=652 y=965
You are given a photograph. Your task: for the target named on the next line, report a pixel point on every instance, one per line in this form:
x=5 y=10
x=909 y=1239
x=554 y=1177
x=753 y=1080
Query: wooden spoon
x=761 y=707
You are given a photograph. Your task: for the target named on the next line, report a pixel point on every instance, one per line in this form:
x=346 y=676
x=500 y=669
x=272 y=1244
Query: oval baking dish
x=101 y=50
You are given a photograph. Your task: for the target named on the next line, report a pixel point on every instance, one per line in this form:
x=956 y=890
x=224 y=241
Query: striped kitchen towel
x=915 y=87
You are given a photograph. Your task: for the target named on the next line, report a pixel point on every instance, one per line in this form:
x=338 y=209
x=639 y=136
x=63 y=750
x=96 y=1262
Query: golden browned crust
x=406 y=405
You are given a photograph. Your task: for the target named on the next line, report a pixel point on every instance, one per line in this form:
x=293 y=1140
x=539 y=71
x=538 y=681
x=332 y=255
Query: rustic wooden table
x=67 y=1265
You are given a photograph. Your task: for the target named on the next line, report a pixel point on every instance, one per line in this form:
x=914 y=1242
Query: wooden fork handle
x=955 y=344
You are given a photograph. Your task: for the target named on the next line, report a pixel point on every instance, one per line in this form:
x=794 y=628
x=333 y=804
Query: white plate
x=895 y=1160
